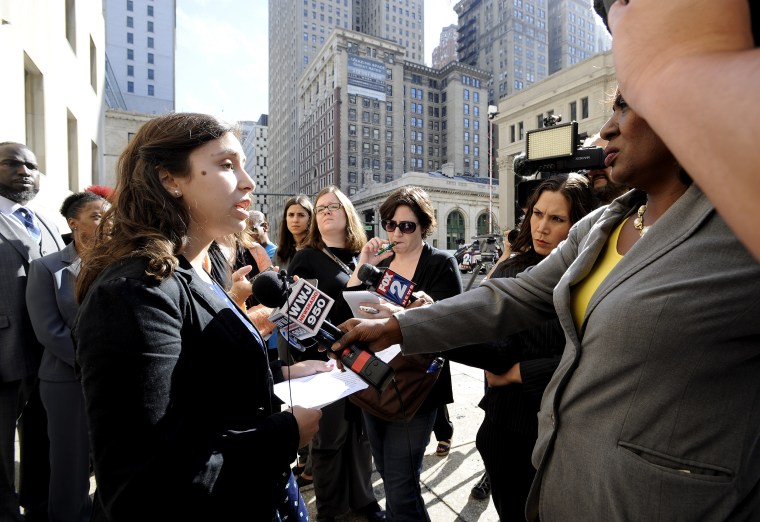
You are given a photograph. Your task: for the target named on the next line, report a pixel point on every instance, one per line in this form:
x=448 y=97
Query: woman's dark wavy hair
x=286 y=243
x=416 y=199
x=576 y=190
x=144 y=219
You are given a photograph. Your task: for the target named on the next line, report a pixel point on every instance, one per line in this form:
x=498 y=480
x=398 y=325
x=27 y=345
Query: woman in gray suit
x=653 y=411
x=52 y=309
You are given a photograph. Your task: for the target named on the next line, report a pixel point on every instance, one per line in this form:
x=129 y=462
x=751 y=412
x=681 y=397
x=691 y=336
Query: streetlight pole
x=493 y=110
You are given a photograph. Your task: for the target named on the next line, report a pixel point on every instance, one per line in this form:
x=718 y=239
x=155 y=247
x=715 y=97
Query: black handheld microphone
x=301 y=313
x=388 y=284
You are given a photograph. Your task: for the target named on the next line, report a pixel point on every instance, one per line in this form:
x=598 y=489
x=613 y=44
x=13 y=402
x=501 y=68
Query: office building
x=53 y=69
x=367 y=117
x=140 y=44
x=446 y=51
x=297 y=30
x=253 y=138
x=521 y=42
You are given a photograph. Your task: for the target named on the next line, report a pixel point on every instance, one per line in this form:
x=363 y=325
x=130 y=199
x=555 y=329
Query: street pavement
x=446 y=481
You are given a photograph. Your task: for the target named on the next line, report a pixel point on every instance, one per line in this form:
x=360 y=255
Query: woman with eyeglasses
x=399 y=446
x=340 y=452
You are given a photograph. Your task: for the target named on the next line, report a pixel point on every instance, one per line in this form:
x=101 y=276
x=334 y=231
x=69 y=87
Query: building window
x=130 y=5
x=130 y=86
x=130 y=38
x=150 y=90
x=150 y=26
x=454 y=229
x=151 y=74
x=130 y=21
x=466 y=94
x=150 y=57
x=150 y=42
x=150 y=10
x=584 y=107
x=130 y=54
x=130 y=70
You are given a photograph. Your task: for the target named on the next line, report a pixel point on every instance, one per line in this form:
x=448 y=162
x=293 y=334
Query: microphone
x=388 y=284
x=301 y=313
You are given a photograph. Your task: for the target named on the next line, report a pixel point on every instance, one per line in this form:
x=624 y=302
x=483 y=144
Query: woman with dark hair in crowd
x=294 y=227
x=177 y=385
x=340 y=452
x=52 y=309
x=512 y=400
x=398 y=446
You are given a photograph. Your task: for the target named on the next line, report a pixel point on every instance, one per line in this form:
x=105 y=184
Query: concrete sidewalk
x=446 y=481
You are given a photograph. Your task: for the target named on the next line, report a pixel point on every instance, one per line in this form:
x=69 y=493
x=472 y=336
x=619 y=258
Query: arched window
x=483 y=225
x=454 y=229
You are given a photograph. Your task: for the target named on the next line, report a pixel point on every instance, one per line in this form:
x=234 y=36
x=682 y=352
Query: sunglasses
x=406 y=227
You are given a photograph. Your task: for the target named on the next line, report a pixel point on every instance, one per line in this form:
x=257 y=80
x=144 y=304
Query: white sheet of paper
x=361 y=296
x=322 y=389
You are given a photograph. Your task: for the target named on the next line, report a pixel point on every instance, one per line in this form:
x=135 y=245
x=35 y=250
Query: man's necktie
x=27 y=218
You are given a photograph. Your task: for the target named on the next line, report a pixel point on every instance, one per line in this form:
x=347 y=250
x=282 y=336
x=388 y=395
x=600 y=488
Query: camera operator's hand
x=377 y=334
x=650 y=36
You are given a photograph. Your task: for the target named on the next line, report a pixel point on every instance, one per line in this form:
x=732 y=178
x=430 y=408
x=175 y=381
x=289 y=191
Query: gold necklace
x=638 y=223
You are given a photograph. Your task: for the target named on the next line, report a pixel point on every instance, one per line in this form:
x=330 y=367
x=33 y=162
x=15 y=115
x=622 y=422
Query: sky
x=222 y=54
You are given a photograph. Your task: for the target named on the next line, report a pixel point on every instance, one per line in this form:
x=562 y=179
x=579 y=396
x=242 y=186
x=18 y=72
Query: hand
x=308 y=423
x=384 y=310
x=377 y=334
x=367 y=253
x=305 y=368
x=422 y=300
x=512 y=376
x=241 y=287
x=651 y=35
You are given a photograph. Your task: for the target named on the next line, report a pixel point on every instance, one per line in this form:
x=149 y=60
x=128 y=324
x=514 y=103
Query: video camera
x=557 y=149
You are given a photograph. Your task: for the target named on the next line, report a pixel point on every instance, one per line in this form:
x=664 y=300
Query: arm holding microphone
x=301 y=313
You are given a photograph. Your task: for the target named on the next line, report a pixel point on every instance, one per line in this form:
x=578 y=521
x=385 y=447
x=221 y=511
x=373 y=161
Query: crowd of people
x=618 y=335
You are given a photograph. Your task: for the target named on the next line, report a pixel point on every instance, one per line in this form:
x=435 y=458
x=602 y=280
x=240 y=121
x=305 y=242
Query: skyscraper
x=521 y=42
x=140 y=43
x=297 y=30
x=446 y=52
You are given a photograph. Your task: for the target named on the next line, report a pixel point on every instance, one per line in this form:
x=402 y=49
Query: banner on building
x=366 y=77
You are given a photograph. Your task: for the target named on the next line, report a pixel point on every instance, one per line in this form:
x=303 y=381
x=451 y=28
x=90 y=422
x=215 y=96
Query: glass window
x=130 y=70
x=151 y=74
x=151 y=91
x=150 y=26
x=130 y=86
x=130 y=54
x=584 y=107
x=150 y=10
x=130 y=38
x=150 y=58
x=130 y=21
x=130 y=5
x=150 y=42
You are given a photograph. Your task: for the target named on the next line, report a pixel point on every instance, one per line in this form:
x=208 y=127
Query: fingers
x=241 y=272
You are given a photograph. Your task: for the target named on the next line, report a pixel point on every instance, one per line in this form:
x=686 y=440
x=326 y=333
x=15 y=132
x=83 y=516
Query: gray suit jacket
x=50 y=292
x=19 y=350
x=654 y=410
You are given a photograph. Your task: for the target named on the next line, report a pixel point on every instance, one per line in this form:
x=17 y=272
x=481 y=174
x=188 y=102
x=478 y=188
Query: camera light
x=551 y=142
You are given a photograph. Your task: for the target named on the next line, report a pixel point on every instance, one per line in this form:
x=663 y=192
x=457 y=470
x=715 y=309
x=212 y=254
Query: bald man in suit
x=24 y=236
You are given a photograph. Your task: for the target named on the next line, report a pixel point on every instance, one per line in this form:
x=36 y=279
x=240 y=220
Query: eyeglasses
x=406 y=227
x=332 y=207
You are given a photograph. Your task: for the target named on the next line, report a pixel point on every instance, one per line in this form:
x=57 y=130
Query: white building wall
x=52 y=88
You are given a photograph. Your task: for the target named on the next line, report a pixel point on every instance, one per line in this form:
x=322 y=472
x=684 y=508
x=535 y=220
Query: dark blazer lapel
x=207 y=298
x=672 y=229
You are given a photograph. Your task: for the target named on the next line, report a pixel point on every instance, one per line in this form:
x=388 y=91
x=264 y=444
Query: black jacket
x=179 y=401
